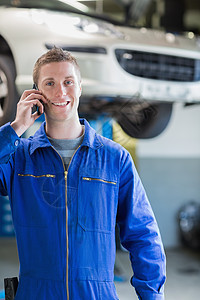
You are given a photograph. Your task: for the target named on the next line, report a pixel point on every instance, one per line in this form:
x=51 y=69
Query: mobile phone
x=36 y=108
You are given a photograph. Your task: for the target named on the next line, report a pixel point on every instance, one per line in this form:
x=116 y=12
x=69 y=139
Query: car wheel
x=8 y=92
x=144 y=120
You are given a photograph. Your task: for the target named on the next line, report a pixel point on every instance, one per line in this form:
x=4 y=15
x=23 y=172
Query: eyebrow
x=48 y=78
x=52 y=78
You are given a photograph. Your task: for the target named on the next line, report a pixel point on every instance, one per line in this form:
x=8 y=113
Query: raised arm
x=10 y=133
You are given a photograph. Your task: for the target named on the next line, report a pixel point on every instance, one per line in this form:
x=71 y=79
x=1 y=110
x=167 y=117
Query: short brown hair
x=54 y=55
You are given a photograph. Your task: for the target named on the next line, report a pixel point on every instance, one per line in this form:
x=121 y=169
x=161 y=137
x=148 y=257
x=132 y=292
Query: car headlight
x=66 y=23
x=99 y=27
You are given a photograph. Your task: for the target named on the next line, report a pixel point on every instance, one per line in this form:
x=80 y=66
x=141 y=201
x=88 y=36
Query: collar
x=40 y=140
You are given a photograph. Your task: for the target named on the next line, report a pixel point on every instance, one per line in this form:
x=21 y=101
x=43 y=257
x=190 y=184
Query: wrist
x=19 y=129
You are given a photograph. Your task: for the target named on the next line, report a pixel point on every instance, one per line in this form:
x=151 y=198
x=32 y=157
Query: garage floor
x=183 y=272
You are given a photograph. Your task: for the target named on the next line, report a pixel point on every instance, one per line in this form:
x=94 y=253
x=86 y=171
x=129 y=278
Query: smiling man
x=68 y=187
x=63 y=92
x=59 y=87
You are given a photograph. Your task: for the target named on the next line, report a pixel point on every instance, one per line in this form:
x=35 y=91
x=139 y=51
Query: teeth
x=61 y=104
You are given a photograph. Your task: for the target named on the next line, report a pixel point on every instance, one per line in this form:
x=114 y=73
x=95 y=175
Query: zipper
x=37 y=176
x=97 y=179
x=67 y=238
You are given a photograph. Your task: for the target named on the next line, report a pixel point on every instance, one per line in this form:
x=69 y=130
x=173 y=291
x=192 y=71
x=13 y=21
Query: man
x=68 y=186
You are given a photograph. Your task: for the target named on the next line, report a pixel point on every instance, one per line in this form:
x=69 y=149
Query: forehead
x=57 y=70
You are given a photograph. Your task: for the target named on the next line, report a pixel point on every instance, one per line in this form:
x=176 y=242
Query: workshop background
x=168 y=164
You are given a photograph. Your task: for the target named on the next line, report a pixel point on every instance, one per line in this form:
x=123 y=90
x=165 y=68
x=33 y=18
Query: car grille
x=158 y=66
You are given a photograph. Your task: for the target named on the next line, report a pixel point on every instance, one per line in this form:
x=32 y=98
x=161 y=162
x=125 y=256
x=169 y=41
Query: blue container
x=2 y=295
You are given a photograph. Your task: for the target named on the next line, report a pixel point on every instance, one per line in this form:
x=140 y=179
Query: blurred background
x=140 y=63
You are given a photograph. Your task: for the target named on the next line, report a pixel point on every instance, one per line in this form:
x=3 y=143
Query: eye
x=68 y=82
x=50 y=83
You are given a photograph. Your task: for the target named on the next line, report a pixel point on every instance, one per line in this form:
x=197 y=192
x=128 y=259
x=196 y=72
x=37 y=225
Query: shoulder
x=113 y=147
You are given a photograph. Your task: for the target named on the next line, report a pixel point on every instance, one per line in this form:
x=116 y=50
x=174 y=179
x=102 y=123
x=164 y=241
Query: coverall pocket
x=97 y=203
x=35 y=203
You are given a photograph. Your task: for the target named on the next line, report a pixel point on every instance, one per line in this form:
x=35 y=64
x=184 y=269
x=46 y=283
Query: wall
x=169 y=166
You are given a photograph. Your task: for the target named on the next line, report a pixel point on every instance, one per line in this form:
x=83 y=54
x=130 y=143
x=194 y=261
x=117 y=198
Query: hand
x=24 y=116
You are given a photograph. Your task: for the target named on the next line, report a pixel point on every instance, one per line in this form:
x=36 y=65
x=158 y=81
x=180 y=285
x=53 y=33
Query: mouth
x=60 y=103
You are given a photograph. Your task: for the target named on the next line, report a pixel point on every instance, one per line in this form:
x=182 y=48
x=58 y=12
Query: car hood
x=158 y=38
x=82 y=27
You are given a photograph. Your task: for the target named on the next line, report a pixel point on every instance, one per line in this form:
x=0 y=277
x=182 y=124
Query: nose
x=61 y=90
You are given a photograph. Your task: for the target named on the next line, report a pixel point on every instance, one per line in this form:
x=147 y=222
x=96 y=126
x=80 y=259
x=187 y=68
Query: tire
x=144 y=120
x=8 y=92
x=189 y=224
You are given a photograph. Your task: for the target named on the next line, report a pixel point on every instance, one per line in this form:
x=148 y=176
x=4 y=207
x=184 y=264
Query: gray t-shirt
x=66 y=148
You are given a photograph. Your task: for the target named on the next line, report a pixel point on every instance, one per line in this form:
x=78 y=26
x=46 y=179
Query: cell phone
x=36 y=108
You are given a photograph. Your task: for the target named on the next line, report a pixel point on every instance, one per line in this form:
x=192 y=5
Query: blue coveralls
x=65 y=219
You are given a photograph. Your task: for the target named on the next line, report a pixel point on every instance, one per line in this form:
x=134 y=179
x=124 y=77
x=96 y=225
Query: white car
x=133 y=74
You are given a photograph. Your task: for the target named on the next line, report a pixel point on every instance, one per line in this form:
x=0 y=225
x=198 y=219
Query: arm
x=9 y=142
x=9 y=134
x=140 y=235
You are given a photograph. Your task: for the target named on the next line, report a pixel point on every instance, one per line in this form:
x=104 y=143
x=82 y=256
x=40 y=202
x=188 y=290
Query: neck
x=67 y=129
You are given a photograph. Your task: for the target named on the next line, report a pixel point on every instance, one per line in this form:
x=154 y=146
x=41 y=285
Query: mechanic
x=68 y=187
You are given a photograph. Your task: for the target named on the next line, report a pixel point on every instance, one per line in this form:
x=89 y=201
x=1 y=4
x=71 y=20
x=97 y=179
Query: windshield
x=91 y=9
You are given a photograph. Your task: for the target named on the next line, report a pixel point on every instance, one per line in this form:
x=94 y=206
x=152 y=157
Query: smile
x=61 y=103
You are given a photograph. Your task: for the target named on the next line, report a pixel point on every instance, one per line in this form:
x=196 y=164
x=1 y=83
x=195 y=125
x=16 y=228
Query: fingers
x=40 y=106
x=29 y=95
x=28 y=104
x=35 y=116
x=32 y=97
x=24 y=116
